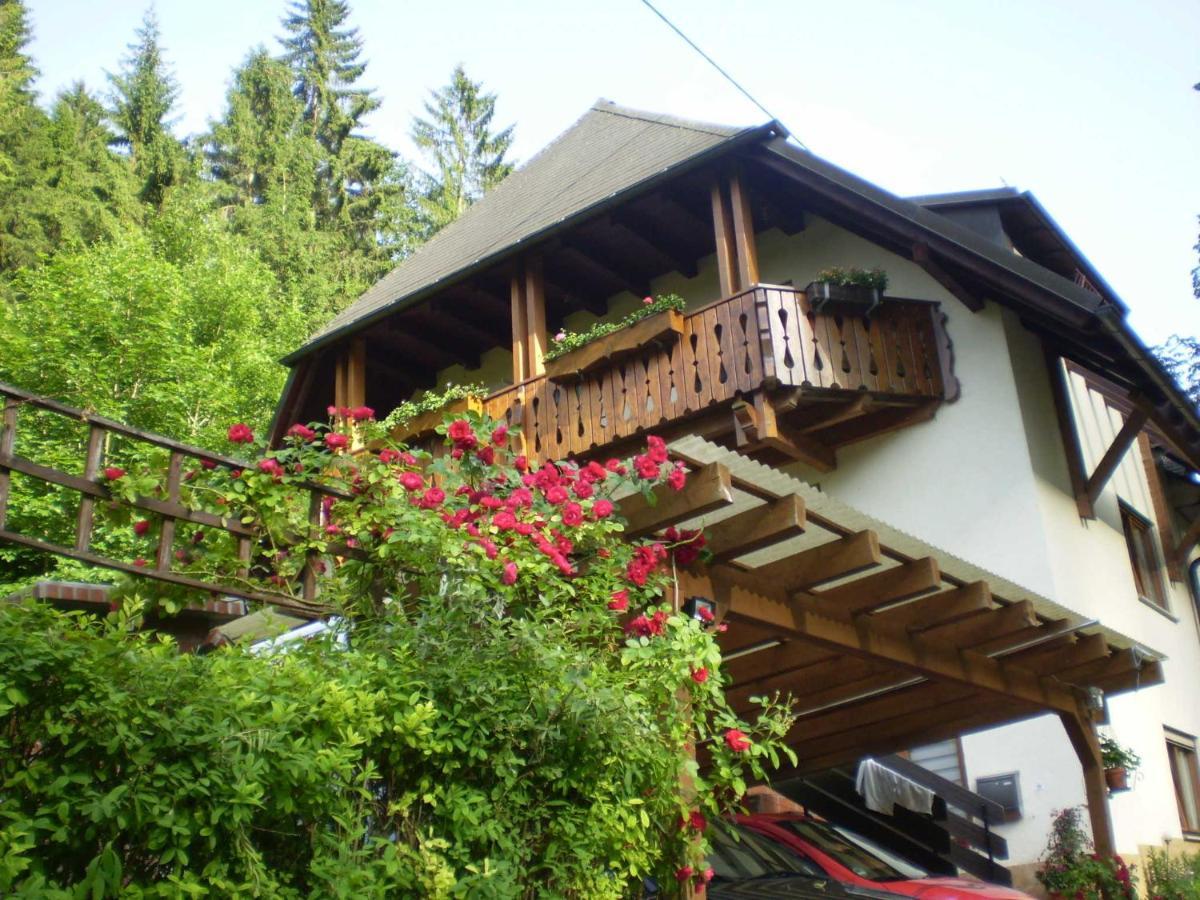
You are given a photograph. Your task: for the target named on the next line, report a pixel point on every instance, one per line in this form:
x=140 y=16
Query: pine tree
x=324 y=56
x=17 y=74
x=22 y=139
x=468 y=159
x=144 y=93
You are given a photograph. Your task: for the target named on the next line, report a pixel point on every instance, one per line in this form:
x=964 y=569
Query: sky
x=1089 y=105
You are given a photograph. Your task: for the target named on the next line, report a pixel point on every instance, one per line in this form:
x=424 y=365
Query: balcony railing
x=765 y=338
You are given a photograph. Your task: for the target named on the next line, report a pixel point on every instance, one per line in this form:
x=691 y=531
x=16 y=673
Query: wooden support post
x=166 y=534
x=1114 y=454
x=1162 y=512
x=727 y=277
x=1060 y=390
x=756 y=427
x=1082 y=734
x=743 y=230
x=8 y=438
x=535 y=315
x=520 y=327
x=356 y=373
x=87 y=503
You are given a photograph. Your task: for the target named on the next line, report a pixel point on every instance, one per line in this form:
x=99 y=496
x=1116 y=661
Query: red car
x=853 y=860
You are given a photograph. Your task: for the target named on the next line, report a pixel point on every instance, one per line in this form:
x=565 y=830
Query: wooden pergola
x=884 y=641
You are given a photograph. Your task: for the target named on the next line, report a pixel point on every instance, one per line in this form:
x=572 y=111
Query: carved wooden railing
x=766 y=337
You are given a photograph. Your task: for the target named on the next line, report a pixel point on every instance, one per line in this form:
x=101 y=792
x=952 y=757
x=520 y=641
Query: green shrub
x=1172 y=878
x=1070 y=870
x=869 y=278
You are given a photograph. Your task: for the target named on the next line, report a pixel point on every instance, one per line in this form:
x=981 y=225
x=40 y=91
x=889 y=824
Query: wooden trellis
x=170 y=508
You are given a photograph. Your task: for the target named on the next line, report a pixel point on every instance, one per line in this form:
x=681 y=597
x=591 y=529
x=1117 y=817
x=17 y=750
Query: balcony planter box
x=842 y=299
x=602 y=352
x=1117 y=779
x=422 y=425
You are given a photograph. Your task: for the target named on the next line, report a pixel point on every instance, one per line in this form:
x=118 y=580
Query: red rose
x=139 y=562
x=336 y=441
x=583 y=489
x=707 y=875
x=683 y=873
x=362 y=413
x=602 y=509
x=521 y=463
x=656 y=448
x=141 y=527
x=572 y=514
x=619 y=601
x=500 y=435
x=613 y=465
x=432 y=497
x=456 y=453
x=302 y=433
x=705 y=614
x=270 y=467
x=509 y=575
x=411 y=481
x=389 y=456
x=332 y=529
x=112 y=473
x=460 y=431
x=486 y=455
x=697 y=821
x=700 y=675
x=208 y=463
x=557 y=495
x=678 y=478
x=645 y=467
x=521 y=497
x=737 y=741
x=240 y=434
x=504 y=520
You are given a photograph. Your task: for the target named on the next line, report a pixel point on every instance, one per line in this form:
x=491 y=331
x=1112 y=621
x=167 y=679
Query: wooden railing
x=765 y=337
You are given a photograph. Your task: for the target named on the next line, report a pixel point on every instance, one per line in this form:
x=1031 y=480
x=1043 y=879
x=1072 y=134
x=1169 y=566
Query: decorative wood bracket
x=1114 y=454
x=756 y=427
x=922 y=257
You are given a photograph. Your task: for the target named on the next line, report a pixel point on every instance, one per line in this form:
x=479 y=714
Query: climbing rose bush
x=506 y=704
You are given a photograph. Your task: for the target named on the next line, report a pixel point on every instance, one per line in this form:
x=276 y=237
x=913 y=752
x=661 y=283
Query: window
x=1181 y=751
x=1143 y=557
x=1002 y=789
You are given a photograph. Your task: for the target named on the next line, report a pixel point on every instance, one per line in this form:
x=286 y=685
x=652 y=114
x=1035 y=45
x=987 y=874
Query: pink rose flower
x=336 y=441
x=602 y=509
x=301 y=433
x=737 y=741
x=112 y=473
x=141 y=527
x=509 y=576
x=411 y=481
x=240 y=434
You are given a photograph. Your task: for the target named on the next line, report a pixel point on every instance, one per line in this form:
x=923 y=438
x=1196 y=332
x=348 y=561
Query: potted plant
x=1070 y=868
x=846 y=291
x=573 y=355
x=1119 y=763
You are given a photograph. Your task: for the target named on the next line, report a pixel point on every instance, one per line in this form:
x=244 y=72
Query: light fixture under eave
x=753 y=648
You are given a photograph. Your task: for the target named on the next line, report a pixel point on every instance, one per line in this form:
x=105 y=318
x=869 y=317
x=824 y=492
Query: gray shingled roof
x=610 y=150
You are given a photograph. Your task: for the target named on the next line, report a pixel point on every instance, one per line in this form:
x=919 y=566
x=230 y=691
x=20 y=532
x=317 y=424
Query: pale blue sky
x=1088 y=104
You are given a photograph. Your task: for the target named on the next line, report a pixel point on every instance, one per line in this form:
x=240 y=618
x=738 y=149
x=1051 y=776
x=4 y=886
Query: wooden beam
x=768 y=604
x=756 y=528
x=743 y=231
x=902 y=582
x=1114 y=454
x=1063 y=408
x=757 y=427
x=806 y=683
x=1047 y=658
x=989 y=626
x=653 y=232
x=535 y=315
x=937 y=609
x=789 y=655
x=520 y=328
x=724 y=237
x=1082 y=734
x=921 y=256
x=842 y=412
x=1149 y=675
x=1162 y=510
x=706 y=490
x=822 y=564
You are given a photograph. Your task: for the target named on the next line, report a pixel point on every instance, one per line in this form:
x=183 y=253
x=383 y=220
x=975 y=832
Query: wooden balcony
x=757 y=370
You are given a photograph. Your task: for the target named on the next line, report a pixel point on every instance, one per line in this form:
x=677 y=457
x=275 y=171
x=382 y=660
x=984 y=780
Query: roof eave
x=750 y=135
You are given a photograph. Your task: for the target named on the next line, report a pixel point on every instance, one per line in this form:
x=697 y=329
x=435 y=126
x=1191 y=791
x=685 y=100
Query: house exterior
x=994 y=412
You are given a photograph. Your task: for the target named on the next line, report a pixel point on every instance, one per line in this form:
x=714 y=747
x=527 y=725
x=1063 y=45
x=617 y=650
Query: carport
x=884 y=641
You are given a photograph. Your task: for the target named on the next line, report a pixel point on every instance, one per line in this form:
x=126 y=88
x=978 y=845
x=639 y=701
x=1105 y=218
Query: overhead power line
x=712 y=62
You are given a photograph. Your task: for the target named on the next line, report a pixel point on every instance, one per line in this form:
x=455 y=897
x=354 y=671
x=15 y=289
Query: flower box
x=665 y=326
x=842 y=299
x=422 y=425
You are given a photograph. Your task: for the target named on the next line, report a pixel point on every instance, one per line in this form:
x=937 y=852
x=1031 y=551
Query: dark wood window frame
x=1142 y=544
x=1185 y=776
